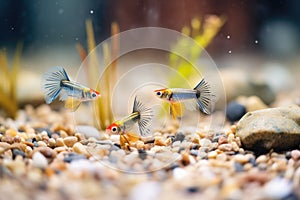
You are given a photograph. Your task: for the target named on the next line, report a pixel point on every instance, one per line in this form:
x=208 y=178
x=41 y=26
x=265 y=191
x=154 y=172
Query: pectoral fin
x=72 y=104
x=176 y=110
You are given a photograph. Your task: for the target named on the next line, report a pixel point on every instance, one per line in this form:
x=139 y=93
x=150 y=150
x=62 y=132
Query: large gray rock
x=273 y=128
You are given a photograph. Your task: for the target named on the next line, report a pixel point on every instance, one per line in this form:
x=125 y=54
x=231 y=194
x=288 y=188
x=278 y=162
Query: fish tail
x=145 y=116
x=204 y=96
x=51 y=83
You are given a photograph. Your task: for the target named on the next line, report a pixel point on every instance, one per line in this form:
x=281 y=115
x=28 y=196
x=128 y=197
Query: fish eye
x=94 y=95
x=114 y=129
x=158 y=93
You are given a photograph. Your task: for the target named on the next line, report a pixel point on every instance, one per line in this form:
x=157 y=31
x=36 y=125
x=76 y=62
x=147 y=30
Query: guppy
x=141 y=114
x=201 y=93
x=56 y=82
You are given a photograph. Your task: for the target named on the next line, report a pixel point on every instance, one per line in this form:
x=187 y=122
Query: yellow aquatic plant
x=202 y=32
x=103 y=114
x=8 y=81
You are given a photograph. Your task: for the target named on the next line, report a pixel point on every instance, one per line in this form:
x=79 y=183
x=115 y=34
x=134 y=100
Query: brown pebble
x=46 y=151
x=168 y=141
x=261 y=159
x=41 y=144
x=159 y=141
x=4 y=145
x=248 y=166
x=235 y=146
x=140 y=144
x=225 y=147
x=222 y=140
x=60 y=149
x=63 y=133
x=70 y=140
x=241 y=158
x=52 y=143
x=17 y=139
x=11 y=132
x=7 y=139
x=79 y=148
x=185 y=159
x=233 y=129
x=212 y=154
x=260 y=177
x=60 y=142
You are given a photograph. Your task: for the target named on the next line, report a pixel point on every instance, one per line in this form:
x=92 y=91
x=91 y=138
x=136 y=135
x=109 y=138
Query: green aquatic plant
x=103 y=114
x=8 y=81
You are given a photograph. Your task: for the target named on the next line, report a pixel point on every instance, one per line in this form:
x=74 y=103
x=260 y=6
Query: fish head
x=94 y=94
x=114 y=128
x=163 y=93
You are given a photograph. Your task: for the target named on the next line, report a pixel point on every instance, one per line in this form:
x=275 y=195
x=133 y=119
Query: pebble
x=212 y=154
x=142 y=154
x=159 y=141
x=235 y=111
x=52 y=142
x=179 y=137
x=252 y=103
x=225 y=147
x=277 y=188
x=60 y=142
x=222 y=140
x=273 y=128
x=17 y=152
x=295 y=154
x=179 y=173
x=11 y=132
x=238 y=167
x=39 y=160
x=70 y=157
x=261 y=159
x=146 y=190
x=79 y=148
x=88 y=131
x=70 y=141
x=41 y=144
x=205 y=142
x=242 y=159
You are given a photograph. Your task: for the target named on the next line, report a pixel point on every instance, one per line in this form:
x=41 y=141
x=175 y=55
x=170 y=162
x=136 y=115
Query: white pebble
x=89 y=131
x=179 y=173
x=39 y=160
x=205 y=142
x=146 y=190
x=277 y=188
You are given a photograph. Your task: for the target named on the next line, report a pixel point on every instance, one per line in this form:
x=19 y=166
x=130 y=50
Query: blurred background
x=268 y=26
x=256 y=34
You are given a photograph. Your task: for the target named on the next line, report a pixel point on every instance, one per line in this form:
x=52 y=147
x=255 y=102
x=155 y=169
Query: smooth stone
x=295 y=154
x=70 y=141
x=39 y=160
x=252 y=103
x=235 y=111
x=273 y=128
x=89 y=131
x=17 y=152
x=79 y=148
x=73 y=156
x=146 y=190
x=179 y=137
x=277 y=188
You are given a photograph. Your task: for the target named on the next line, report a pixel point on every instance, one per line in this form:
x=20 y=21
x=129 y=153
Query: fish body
x=201 y=93
x=141 y=114
x=56 y=82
